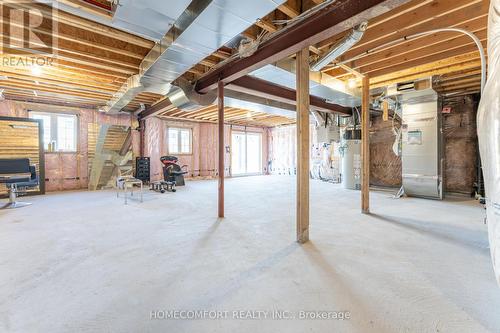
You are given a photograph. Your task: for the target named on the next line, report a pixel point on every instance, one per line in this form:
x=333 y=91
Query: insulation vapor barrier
x=67 y=171
x=283 y=149
x=489 y=134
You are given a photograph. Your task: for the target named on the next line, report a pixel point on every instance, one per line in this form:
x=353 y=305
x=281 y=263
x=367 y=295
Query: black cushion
x=16 y=180
x=18 y=166
x=29 y=183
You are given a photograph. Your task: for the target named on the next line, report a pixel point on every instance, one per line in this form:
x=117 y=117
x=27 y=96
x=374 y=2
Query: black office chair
x=13 y=173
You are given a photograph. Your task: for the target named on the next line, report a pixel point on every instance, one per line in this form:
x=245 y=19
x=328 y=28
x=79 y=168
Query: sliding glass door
x=246 y=153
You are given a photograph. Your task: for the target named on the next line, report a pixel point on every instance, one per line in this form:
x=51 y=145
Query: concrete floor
x=84 y=262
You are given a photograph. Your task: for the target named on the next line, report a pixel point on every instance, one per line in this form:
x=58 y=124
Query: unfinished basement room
x=290 y=166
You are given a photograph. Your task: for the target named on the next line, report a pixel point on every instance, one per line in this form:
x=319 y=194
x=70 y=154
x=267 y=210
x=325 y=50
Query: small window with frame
x=180 y=141
x=60 y=131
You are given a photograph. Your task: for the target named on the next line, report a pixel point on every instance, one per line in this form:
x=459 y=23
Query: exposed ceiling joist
x=327 y=21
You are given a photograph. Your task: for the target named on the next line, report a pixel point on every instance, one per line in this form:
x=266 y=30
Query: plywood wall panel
x=19 y=139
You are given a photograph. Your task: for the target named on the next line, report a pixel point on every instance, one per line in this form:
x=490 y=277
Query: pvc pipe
x=476 y=40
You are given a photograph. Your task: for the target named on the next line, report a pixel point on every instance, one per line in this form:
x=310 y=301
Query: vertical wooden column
x=220 y=118
x=365 y=147
x=302 y=72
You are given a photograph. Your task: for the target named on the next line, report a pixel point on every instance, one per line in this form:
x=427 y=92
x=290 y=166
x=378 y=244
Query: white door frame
x=246 y=173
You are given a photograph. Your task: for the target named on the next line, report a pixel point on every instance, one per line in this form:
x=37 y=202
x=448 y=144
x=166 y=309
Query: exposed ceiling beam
x=320 y=24
x=155 y=109
x=261 y=88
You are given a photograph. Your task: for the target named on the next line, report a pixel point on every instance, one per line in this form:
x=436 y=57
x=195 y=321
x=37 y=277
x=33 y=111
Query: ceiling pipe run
x=340 y=48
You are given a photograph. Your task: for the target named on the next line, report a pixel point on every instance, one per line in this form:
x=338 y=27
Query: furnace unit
x=422 y=156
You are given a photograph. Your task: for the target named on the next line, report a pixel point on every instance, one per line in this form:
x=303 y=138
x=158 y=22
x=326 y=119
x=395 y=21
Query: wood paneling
x=19 y=139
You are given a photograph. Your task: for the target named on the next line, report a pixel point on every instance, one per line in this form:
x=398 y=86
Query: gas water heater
x=350 y=150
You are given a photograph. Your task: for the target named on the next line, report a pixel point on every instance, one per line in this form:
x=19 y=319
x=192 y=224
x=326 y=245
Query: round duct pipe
x=184 y=96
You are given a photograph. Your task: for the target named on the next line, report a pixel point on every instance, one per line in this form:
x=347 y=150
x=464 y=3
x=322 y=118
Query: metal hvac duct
x=283 y=73
x=130 y=16
x=184 y=96
x=203 y=27
x=241 y=100
x=340 y=48
x=320 y=84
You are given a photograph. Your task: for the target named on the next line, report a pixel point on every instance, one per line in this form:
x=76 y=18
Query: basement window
x=59 y=131
x=179 y=140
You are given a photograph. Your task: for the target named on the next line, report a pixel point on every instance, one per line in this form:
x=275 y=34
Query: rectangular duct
x=204 y=27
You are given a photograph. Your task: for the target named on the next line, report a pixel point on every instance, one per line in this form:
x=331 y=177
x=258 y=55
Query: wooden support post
x=221 y=147
x=302 y=68
x=365 y=147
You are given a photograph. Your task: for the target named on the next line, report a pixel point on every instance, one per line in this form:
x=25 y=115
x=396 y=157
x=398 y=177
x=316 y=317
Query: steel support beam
x=154 y=110
x=221 y=147
x=365 y=147
x=315 y=26
x=262 y=88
